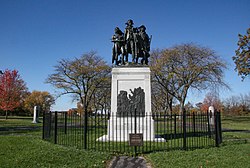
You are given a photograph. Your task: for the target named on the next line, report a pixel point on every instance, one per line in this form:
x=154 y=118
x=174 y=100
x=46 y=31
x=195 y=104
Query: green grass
x=236 y=156
x=236 y=122
x=13 y=125
x=26 y=149
x=235 y=135
x=18 y=121
x=74 y=138
x=30 y=151
x=232 y=153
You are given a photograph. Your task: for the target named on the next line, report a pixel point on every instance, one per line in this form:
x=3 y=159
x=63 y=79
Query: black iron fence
x=111 y=133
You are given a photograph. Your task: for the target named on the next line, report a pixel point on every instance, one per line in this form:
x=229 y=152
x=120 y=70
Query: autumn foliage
x=211 y=99
x=12 y=89
x=182 y=68
x=81 y=77
x=242 y=57
x=42 y=99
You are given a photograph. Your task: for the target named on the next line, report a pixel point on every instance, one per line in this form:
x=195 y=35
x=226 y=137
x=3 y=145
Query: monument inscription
x=136 y=139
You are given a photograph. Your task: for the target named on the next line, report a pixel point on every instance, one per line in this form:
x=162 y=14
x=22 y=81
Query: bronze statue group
x=126 y=104
x=134 y=41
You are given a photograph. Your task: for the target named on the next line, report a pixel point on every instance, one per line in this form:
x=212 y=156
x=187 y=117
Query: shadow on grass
x=180 y=135
x=236 y=118
x=18 y=130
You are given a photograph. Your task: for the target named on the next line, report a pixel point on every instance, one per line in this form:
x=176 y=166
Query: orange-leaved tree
x=43 y=99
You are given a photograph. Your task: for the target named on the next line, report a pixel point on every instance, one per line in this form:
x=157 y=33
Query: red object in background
x=11 y=89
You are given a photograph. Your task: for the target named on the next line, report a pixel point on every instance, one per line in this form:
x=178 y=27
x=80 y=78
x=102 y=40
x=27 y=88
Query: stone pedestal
x=129 y=80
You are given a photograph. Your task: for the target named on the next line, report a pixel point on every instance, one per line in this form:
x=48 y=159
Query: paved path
x=128 y=162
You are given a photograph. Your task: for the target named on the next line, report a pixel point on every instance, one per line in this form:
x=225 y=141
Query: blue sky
x=35 y=34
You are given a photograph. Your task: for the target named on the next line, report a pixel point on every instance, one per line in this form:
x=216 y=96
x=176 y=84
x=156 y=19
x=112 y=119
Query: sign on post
x=135 y=139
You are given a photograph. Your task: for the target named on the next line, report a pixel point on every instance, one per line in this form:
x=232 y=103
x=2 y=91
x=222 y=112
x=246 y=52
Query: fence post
x=184 y=131
x=85 y=128
x=50 y=121
x=208 y=124
x=43 y=124
x=65 y=123
x=217 y=129
x=135 y=148
x=194 y=134
x=175 y=129
x=220 y=131
x=55 y=136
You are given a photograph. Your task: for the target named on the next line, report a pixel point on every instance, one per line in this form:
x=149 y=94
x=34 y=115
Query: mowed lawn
x=231 y=156
x=27 y=149
x=234 y=152
x=30 y=151
x=240 y=123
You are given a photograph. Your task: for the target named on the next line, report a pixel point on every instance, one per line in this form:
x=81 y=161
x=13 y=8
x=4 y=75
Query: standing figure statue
x=130 y=34
x=118 y=47
x=143 y=45
x=134 y=41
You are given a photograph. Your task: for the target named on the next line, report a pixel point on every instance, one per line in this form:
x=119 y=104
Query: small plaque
x=135 y=139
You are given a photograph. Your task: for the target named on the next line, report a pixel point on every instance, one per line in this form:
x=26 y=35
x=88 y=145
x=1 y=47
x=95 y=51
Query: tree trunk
x=182 y=108
x=170 y=106
x=85 y=123
x=6 y=114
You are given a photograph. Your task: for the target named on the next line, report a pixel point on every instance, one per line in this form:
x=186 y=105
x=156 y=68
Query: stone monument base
x=119 y=129
x=128 y=80
x=105 y=138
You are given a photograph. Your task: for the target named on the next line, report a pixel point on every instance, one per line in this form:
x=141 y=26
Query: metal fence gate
x=179 y=132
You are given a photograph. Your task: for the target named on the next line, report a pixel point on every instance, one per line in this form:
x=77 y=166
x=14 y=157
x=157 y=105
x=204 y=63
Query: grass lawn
x=236 y=156
x=236 y=122
x=18 y=122
x=27 y=149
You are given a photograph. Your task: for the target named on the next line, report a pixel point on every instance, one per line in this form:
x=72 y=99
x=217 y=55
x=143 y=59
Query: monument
x=131 y=86
x=211 y=115
x=36 y=115
x=134 y=41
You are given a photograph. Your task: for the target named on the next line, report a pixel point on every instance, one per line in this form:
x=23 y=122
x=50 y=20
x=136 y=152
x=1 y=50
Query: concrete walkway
x=128 y=162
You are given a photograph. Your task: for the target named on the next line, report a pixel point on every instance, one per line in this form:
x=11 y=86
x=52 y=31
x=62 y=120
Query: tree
x=161 y=100
x=42 y=99
x=237 y=105
x=80 y=77
x=242 y=57
x=12 y=91
x=211 y=99
x=102 y=98
x=185 y=67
